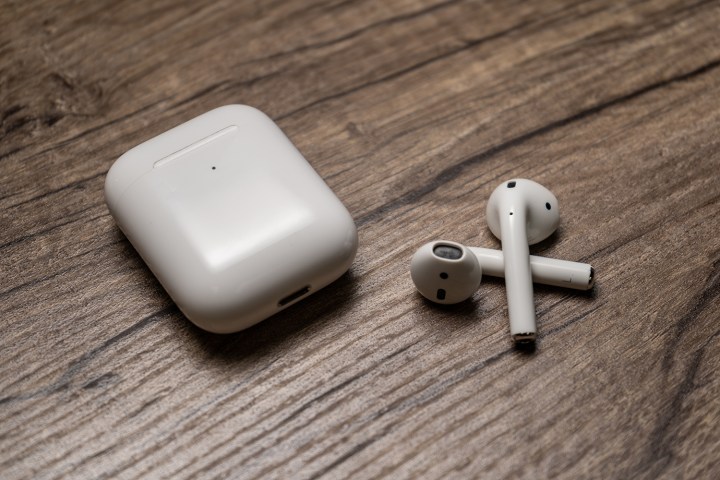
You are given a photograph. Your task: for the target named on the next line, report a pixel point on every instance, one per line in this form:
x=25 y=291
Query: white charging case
x=231 y=219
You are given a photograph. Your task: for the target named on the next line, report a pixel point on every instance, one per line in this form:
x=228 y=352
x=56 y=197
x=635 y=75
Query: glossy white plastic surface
x=230 y=217
x=520 y=213
x=546 y=271
x=445 y=280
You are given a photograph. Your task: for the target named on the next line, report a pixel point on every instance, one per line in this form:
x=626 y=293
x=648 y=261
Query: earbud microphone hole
x=443 y=275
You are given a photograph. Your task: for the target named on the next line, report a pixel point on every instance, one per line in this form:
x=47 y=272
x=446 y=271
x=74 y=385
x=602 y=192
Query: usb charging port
x=294 y=296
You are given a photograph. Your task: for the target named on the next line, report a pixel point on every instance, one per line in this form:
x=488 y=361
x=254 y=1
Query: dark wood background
x=412 y=111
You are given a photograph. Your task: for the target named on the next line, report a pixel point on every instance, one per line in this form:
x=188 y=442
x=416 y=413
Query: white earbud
x=448 y=272
x=520 y=213
x=445 y=272
x=545 y=271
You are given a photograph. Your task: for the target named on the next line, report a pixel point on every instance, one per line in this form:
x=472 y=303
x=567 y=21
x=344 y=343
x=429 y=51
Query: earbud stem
x=518 y=278
x=546 y=271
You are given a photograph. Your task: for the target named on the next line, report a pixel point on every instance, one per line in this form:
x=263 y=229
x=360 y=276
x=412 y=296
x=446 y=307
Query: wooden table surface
x=412 y=112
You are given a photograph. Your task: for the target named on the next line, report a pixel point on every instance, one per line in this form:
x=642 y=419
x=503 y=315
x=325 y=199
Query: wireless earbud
x=445 y=272
x=448 y=272
x=545 y=271
x=520 y=213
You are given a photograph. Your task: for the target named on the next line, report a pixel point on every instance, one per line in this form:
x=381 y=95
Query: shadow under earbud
x=540 y=247
x=525 y=348
x=540 y=289
x=456 y=315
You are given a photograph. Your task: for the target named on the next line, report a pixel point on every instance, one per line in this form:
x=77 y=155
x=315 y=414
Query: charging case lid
x=230 y=217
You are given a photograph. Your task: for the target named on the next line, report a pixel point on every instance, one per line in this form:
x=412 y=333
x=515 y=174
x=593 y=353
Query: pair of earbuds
x=520 y=213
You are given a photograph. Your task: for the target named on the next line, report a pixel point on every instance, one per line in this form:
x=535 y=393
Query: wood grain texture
x=412 y=111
